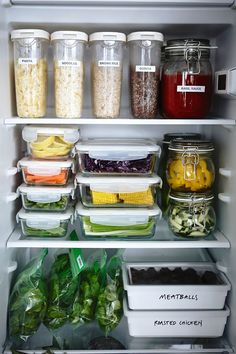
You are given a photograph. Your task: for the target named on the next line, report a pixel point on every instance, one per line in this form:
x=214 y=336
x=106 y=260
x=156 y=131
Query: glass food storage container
x=106 y=72
x=45 y=172
x=98 y=223
x=118 y=191
x=191 y=215
x=30 y=66
x=163 y=162
x=38 y=224
x=68 y=53
x=187 y=79
x=50 y=142
x=145 y=61
x=44 y=198
x=190 y=166
x=117 y=156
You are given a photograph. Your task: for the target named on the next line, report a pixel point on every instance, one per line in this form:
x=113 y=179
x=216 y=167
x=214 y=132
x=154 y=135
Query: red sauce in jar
x=186 y=104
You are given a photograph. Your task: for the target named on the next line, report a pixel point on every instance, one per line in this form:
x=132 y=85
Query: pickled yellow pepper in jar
x=190 y=166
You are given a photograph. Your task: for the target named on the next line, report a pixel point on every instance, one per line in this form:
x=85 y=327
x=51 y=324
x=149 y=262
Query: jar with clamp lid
x=191 y=215
x=190 y=166
x=187 y=79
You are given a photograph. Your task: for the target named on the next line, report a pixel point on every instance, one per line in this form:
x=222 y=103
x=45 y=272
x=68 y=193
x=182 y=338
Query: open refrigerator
x=212 y=19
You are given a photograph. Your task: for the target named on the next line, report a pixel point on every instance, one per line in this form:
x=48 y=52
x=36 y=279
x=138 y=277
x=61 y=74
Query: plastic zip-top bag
x=28 y=300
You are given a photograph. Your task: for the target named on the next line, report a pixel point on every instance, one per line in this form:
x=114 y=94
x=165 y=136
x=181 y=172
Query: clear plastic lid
x=145 y=35
x=29 y=33
x=40 y=215
x=30 y=133
x=118 y=149
x=32 y=163
x=118 y=217
x=69 y=35
x=119 y=184
x=44 y=194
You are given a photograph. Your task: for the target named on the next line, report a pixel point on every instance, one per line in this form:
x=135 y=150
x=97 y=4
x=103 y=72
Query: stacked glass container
x=47 y=191
x=118 y=188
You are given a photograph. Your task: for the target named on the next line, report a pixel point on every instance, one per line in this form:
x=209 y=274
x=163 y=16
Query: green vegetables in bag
x=109 y=309
x=60 y=205
x=83 y=310
x=62 y=290
x=28 y=300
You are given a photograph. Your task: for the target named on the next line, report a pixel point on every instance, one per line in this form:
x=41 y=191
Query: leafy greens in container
x=28 y=300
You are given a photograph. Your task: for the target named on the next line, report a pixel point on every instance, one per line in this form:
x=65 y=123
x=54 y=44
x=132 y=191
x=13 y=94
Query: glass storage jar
x=106 y=73
x=191 y=215
x=30 y=66
x=163 y=162
x=190 y=167
x=145 y=61
x=187 y=79
x=68 y=52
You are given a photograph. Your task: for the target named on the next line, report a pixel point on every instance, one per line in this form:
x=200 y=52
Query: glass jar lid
x=200 y=146
x=189 y=47
x=184 y=197
x=180 y=136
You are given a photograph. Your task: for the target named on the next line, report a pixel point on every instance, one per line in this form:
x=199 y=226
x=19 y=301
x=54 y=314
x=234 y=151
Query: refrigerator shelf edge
x=119 y=121
x=217 y=240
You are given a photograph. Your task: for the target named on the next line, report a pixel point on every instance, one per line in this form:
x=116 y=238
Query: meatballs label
x=178 y=297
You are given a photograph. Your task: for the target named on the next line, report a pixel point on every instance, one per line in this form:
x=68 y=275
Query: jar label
x=68 y=63
x=190 y=88
x=145 y=68
x=111 y=63
x=27 y=61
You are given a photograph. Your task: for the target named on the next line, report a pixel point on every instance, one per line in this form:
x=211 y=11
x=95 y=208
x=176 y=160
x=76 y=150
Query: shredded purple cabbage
x=128 y=166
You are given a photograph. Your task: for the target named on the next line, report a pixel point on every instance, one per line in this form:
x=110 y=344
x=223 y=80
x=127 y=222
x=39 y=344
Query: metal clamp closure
x=192 y=57
x=196 y=209
x=190 y=160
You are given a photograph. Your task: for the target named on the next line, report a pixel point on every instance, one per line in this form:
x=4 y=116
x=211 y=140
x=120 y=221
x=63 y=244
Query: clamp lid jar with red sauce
x=187 y=79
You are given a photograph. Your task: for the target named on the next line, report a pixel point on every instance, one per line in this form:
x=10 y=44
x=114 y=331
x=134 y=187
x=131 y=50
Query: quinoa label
x=27 y=61
x=145 y=68
x=112 y=63
x=190 y=88
x=68 y=63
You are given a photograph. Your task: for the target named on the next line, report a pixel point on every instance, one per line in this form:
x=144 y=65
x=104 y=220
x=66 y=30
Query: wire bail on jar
x=190 y=160
x=192 y=57
x=194 y=210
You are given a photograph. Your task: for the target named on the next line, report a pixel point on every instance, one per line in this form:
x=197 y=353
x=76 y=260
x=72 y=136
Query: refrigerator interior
x=218 y=23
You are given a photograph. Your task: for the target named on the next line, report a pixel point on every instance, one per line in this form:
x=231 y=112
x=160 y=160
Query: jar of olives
x=190 y=166
x=191 y=215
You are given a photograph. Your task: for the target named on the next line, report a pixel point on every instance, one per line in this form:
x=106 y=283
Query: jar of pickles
x=164 y=157
x=190 y=166
x=191 y=215
x=187 y=78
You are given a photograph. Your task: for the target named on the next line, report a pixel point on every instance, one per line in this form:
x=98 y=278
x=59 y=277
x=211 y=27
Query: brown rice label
x=111 y=63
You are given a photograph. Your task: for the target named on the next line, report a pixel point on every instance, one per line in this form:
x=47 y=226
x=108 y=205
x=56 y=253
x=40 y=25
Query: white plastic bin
x=103 y=223
x=117 y=156
x=43 y=224
x=45 y=172
x=50 y=142
x=43 y=198
x=188 y=323
x=166 y=296
x=118 y=191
